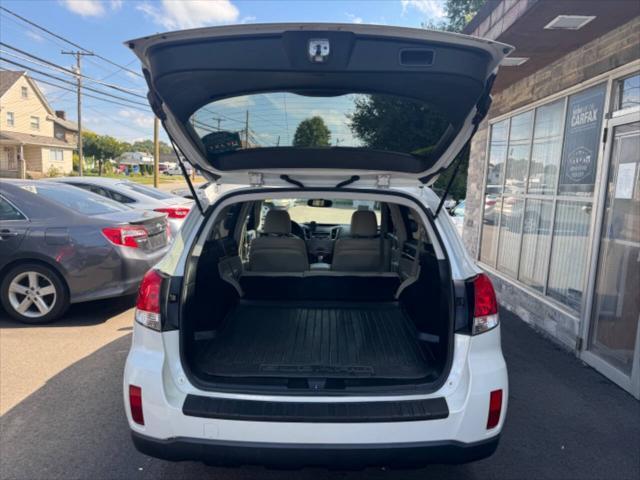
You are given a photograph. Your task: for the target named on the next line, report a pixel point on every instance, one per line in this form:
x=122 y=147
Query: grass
x=176 y=180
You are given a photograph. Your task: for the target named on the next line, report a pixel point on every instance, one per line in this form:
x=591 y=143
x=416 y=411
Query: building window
x=24 y=92
x=10 y=119
x=35 y=123
x=629 y=92
x=540 y=180
x=56 y=155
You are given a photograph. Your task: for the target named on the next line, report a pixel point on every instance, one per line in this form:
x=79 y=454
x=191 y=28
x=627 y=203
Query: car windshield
x=339 y=213
x=148 y=191
x=75 y=199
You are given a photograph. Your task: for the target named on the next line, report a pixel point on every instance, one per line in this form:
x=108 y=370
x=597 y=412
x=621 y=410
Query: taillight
x=485 y=305
x=148 y=302
x=495 y=407
x=126 y=235
x=174 y=212
x=135 y=402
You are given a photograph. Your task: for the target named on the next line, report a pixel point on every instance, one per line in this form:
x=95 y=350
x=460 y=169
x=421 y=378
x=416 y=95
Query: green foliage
x=53 y=172
x=101 y=147
x=147 y=147
x=459 y=13
x=312 y=132
x=392 y=123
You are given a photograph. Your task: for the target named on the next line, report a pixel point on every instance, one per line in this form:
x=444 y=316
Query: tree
x=312 y=132
x=388 y=123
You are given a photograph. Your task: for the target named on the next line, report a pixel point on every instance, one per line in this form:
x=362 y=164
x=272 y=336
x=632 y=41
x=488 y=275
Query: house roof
x=28 y=139
x=7 y=79
x=69 y=125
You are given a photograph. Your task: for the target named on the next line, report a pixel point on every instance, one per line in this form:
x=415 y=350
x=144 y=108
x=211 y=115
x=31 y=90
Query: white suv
x=327 y=313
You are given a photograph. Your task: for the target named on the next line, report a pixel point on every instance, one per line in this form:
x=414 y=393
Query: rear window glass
x=339 y=213
x=76 y=199
x=285 y=119
x=148 y=191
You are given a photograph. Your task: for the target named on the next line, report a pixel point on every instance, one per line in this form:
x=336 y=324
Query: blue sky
x=103 y=25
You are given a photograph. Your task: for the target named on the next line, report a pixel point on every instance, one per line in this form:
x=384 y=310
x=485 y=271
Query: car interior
x=334 y=294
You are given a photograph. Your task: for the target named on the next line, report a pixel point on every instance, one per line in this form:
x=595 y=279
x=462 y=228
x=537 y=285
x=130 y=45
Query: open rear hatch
x=243 y=102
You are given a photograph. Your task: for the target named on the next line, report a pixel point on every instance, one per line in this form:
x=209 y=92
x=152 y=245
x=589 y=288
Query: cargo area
x=262 y=313
x=328 y=340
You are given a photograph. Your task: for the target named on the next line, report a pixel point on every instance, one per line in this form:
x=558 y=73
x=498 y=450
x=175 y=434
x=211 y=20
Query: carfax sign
x=582 y=140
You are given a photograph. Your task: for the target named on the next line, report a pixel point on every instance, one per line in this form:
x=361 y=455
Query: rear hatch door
x=319 y=103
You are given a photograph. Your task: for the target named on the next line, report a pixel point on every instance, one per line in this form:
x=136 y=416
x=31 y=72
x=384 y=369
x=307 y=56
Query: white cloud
x=115 y=4
x=34 y=36
x=354 y=18
x=174 y=15
x=431 y=9
x=248 y=19
x=85 y=8
x=138 y=118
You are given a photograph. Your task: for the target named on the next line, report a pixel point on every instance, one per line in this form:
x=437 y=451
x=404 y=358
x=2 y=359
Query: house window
x=24 y=92
x=56 y=155
x=10 y=119
x=35 y=123
x=538 y=198
x=629 y=92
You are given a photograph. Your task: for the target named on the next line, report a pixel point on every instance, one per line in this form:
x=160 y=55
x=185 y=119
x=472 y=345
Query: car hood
x=188 y=70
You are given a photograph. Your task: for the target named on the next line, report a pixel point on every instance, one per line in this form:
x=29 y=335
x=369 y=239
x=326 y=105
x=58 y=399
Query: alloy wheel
x=32 y=294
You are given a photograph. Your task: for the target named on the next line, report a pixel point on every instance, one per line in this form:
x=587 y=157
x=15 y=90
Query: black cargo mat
x=345 y=340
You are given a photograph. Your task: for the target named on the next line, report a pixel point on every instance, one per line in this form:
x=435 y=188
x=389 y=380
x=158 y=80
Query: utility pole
x=78 y=54
x=246 y=131
x=156 y=151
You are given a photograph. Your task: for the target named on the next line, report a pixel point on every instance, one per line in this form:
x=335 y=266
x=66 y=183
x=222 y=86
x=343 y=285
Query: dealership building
x=553 y=199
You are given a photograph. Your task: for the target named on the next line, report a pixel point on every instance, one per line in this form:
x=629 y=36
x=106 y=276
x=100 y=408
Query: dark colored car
x=61 y=245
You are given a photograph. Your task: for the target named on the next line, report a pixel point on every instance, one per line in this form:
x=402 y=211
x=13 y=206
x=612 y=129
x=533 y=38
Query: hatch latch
x=256 y=179
x=384 y=181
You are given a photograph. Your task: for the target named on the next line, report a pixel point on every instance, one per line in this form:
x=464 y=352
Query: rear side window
x=9 y=212
x=76 y=200
x=148 y=191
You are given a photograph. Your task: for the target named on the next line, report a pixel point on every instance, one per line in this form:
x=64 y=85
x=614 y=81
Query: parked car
x=176 y=170
x=299 y=338
x=135 y=195
x=59 y=245
x=457 y=216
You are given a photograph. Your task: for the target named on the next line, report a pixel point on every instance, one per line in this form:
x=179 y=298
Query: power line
x=39 y=80
x=60 y=37
x=41 y=61
x=46 y=74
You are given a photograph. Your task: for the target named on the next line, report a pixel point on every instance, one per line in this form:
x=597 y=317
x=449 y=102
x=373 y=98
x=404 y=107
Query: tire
x=22 y=288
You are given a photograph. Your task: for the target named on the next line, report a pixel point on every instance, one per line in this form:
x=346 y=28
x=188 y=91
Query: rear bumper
x=286 y=455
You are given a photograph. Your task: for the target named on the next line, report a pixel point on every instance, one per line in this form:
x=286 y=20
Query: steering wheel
x=297 y=230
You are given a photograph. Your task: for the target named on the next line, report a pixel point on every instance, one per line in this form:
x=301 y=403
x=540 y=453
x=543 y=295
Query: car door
x=13 y=227
x=283 y=104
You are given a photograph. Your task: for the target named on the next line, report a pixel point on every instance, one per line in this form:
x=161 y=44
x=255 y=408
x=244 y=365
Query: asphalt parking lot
x=62 y=413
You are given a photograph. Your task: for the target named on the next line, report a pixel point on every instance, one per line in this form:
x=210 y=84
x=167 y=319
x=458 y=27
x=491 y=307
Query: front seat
x=361 y=251
x=277 y=250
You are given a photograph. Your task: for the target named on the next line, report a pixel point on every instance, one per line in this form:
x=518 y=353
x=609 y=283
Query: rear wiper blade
x=348 y=181
x=292 y=181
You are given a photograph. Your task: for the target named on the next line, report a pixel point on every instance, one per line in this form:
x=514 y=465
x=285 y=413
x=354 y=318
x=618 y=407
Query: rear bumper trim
x=289 y=455
x=315 y=412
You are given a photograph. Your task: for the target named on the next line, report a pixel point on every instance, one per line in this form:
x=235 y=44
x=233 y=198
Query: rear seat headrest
x=364 y=224
x=277 y=222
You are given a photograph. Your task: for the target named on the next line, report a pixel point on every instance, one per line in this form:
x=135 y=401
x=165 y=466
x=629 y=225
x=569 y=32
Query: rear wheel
x=33 y=293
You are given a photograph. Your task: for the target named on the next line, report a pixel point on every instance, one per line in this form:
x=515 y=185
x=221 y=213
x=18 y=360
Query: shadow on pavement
x=564 y=421
x=79 y=314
